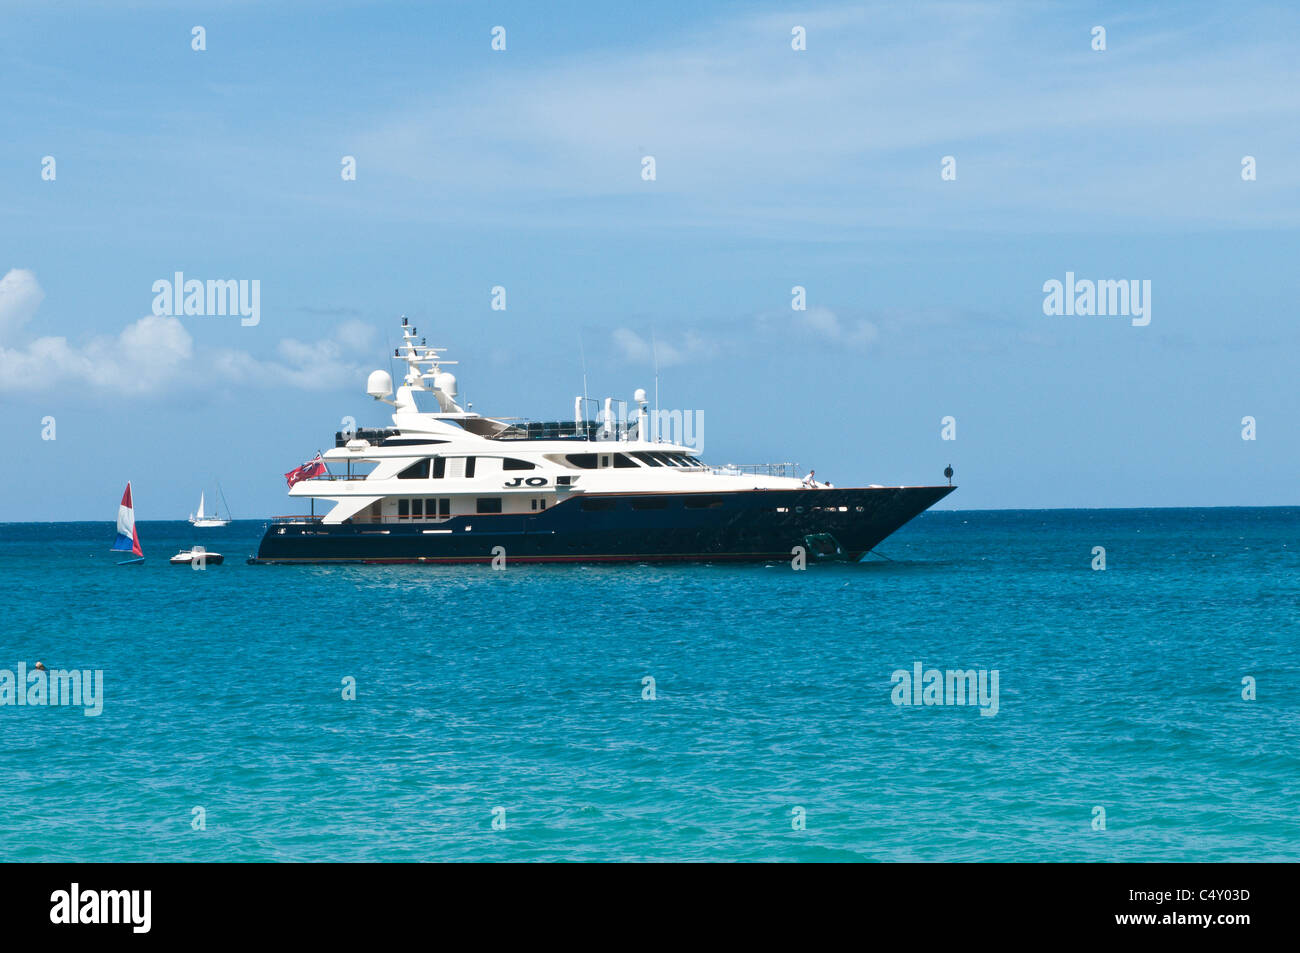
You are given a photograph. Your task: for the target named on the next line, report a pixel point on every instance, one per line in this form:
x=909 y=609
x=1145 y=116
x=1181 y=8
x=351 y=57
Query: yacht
x=446 y=485
x=208 y=520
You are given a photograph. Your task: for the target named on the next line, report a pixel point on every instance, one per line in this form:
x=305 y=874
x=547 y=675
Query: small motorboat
x=197 y=557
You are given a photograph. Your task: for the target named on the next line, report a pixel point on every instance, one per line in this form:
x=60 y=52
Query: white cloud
x=853 y=129
x=691 y=346
x=337 y=361
x=142 y=357
x=20 y=296
x=153 y=352
x=826 y=324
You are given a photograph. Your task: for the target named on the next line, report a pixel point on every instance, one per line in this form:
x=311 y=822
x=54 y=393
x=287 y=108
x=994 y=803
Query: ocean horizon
x=1139 y=712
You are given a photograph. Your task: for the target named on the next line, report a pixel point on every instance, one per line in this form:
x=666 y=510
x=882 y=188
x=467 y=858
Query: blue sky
x=775 y=168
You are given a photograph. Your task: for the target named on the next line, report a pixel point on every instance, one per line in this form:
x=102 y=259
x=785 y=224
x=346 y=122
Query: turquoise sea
x=523 y=689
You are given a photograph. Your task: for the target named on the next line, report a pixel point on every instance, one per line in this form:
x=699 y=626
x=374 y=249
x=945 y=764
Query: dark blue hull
x=757 y=525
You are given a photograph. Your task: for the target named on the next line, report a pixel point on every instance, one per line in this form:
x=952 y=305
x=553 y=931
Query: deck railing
x=758 y=469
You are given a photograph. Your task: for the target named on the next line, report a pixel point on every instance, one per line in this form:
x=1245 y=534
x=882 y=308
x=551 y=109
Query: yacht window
x=565 y=480
x=604 y=459
x=624 y=461
x=648 y=459
x=592 y=504
x=703 y=502
x=439 y=468
x=417 y=509
x=444 y=506
x=650 y=504
x=489 y=504
x=583 y=461
x=419 y=470
x=510 y=463
x=469 y=468
x=665 y=458
x=403 y=509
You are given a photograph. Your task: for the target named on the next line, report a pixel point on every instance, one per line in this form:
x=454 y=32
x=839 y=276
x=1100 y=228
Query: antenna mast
x=654 y=348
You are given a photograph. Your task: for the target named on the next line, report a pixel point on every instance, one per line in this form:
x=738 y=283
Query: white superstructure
x=436 y=464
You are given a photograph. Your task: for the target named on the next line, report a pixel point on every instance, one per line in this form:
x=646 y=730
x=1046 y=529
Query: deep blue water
x=522 y=689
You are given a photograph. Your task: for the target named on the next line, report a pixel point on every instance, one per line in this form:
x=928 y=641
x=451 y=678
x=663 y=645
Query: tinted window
x=648 y=458
x=597 y=504
x=624 y=461
x=403 y=508
x=489 y=504
x=510 y=463
x=444 y=507
x=439 y=468
x=416 y=471
x=702 y=502
x=651 y=504
x=417 y=508
x=469 y=467
x=583 y=461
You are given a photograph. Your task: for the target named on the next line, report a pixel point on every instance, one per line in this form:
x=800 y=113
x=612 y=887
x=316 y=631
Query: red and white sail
x=127 y=541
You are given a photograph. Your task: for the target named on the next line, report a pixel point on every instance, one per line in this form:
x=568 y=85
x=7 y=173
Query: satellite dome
x=446 y=383
x=379 y=384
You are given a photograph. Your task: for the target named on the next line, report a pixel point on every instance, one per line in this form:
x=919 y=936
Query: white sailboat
x=202 y=520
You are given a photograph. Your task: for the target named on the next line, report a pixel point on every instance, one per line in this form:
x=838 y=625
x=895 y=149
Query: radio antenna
x=583 y=351
x=654 y=349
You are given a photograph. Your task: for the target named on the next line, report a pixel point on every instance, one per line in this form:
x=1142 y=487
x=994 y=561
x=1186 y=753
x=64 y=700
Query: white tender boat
x=198 y=557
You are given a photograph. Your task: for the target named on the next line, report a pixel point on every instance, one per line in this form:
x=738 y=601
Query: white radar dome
x=379 y=384
x=446 y=383
x=639 y=396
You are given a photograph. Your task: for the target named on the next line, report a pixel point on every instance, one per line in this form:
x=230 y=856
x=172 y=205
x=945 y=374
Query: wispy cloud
x=852 y=130
x=679 y=348
x=337 y=361
x=20 y=296
x=826 y=324
x=145 y=355
x=153 y=352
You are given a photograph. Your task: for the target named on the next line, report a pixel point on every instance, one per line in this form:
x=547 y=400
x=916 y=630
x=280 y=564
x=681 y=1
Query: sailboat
x=200 y=519
x=127 y=541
